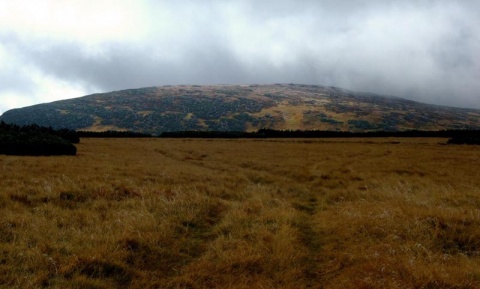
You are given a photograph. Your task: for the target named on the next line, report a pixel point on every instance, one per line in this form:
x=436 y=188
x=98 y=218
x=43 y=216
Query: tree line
x=456 y=136
x=36 y=140
x=112 y=134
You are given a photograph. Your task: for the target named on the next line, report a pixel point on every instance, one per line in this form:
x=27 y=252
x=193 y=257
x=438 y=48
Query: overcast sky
x=425 y=50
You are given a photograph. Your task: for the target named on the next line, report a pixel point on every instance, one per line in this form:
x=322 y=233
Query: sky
x=423 y=50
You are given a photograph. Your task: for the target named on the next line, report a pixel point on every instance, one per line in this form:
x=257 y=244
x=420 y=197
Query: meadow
x=257 y=213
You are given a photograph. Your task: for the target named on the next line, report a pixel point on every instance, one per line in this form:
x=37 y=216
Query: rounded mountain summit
x=160 y=109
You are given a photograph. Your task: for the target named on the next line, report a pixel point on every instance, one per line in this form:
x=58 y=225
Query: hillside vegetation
x=155 y=110
x=272 y=213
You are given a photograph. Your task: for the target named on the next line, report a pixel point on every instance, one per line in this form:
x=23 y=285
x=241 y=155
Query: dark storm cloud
x=421 y=50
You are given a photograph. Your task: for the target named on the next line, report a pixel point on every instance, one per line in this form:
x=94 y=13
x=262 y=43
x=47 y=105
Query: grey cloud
x=12 y=78
x=130 y=67
x=15 y=80
x=430 y=54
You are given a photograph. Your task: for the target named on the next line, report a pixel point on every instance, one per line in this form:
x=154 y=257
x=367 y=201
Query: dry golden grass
x=157 y=213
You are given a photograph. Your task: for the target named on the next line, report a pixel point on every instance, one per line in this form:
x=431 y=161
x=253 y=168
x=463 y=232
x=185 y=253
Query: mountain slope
x=242 y=108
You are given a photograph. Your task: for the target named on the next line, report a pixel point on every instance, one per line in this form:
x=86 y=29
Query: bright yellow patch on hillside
x=145 y=113
x=99 y=127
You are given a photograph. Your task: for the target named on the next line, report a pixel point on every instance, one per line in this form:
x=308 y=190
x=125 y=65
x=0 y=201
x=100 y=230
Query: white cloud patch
x=73 y=20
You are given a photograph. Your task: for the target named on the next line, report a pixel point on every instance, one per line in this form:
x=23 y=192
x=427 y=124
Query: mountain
x=242 y=108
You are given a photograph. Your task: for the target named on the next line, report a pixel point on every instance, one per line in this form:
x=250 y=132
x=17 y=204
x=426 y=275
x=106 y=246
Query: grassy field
x=159 y=213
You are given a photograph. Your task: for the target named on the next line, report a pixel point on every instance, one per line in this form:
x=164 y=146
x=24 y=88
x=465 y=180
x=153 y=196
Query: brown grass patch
x=158 y=213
